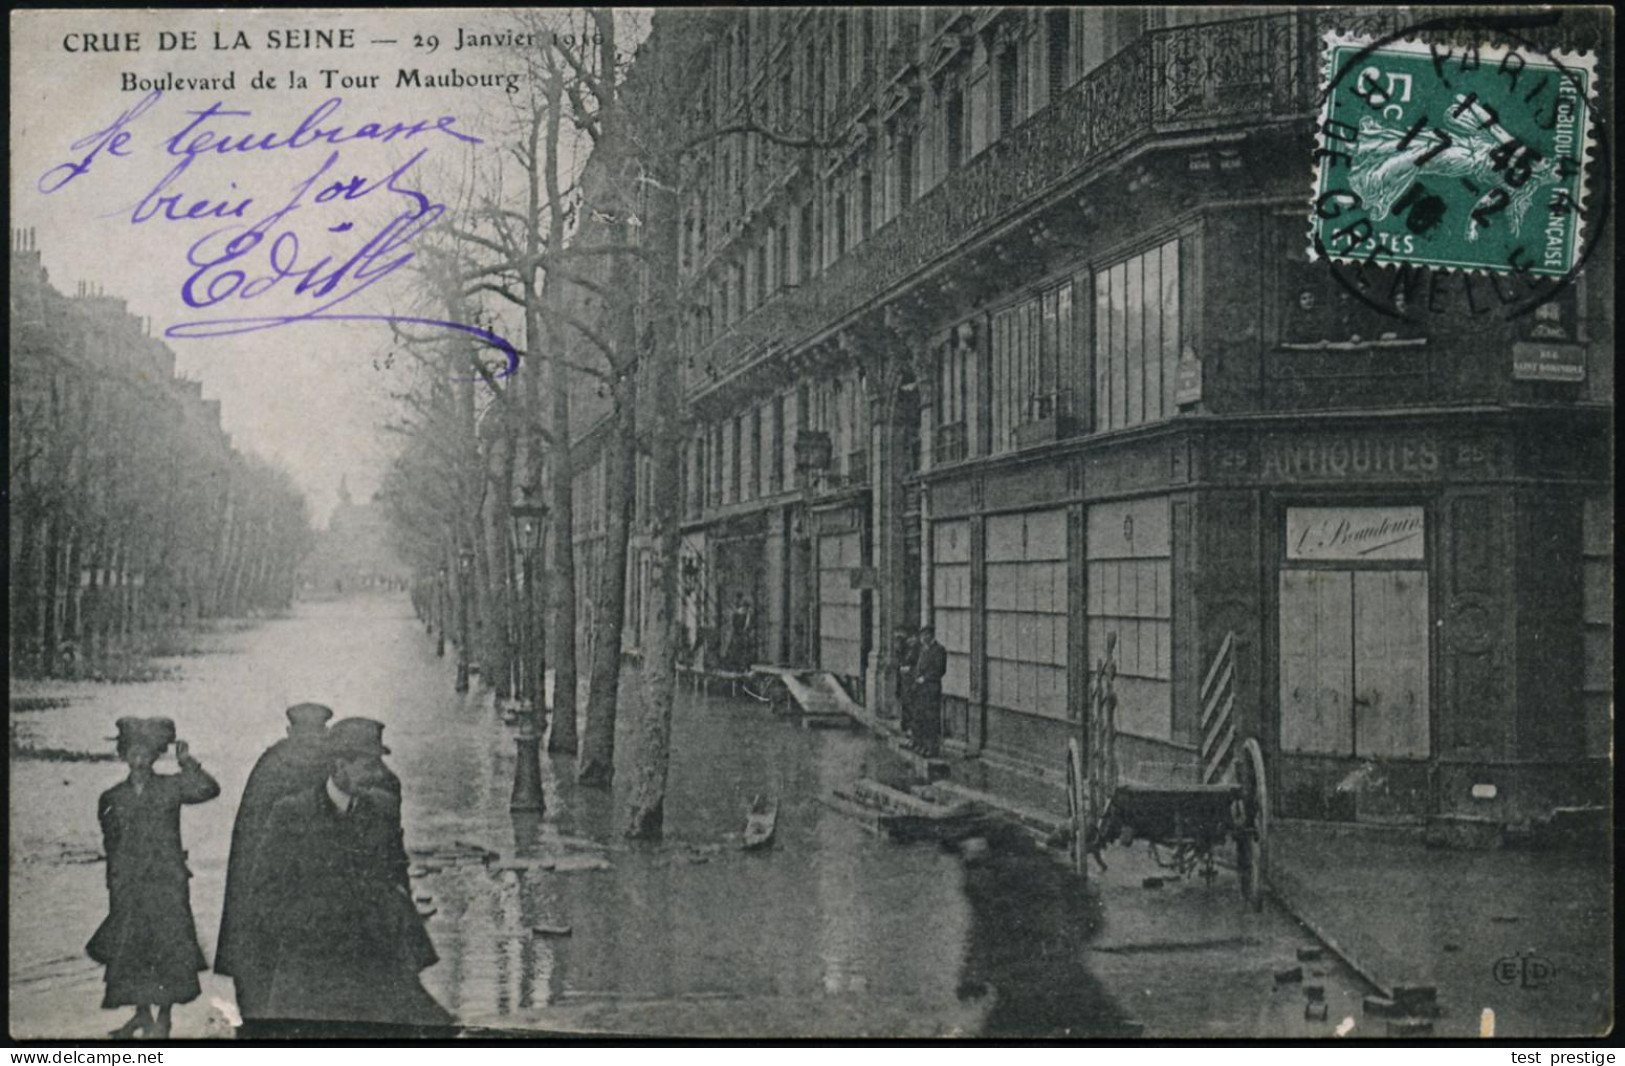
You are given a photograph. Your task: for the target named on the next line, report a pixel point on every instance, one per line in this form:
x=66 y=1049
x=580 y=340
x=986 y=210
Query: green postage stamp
x=1460 y=159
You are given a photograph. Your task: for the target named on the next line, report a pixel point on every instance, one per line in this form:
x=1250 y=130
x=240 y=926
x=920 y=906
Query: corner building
x=1028 y=344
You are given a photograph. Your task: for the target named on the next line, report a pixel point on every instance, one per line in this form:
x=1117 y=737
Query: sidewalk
x=1526 y=934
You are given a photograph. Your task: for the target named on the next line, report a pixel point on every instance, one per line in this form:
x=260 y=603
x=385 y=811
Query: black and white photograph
x=839 y=523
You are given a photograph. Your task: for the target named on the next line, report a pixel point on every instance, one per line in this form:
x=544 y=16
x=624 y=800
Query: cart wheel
x=1252 y=824
x=1077 y=803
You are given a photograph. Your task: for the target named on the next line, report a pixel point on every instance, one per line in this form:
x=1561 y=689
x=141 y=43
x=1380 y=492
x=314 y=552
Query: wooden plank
x=1391 y=663
x=1316 y=662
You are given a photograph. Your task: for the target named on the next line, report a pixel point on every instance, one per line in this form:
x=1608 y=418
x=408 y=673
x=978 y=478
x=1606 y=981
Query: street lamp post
x=465 y=574
x=529 y=522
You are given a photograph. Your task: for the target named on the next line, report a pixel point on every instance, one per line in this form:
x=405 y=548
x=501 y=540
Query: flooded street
x=833 y=931
x=557 y=924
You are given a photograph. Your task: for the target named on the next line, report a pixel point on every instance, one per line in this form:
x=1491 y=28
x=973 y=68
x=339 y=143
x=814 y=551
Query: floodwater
x=832 y=932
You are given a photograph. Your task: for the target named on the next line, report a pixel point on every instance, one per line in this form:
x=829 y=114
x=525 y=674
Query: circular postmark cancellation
x=1470 y=159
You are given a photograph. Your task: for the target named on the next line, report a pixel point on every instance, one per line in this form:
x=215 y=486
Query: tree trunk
x=647 y=818
x=597 y=761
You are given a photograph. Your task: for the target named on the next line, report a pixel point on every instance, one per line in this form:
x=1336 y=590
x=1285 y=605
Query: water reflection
x=831 y=932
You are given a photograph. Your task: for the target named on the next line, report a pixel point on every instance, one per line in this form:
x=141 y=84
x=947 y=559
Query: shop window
x=1354 y=633
x=1032 y=352
x=1130 y=597
x=950 y=601
x=1137 y=338
x=1027 y=613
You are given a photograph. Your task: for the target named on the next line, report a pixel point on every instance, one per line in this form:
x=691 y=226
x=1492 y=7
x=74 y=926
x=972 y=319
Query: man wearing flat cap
x=296 y=763
x=346 y=940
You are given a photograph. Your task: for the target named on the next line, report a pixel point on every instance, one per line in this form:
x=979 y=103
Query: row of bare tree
x=131 y=513
x=574 y=235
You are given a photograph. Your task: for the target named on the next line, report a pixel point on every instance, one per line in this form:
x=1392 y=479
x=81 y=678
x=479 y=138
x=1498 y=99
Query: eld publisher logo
x=1527 y=970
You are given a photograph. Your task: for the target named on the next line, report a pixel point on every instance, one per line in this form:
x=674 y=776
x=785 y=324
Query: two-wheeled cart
x=1183 y=814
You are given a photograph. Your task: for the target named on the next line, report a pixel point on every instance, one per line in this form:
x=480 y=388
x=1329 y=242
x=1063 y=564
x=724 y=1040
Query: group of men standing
x=921 y=663
x=318 y=922
x=318 y=929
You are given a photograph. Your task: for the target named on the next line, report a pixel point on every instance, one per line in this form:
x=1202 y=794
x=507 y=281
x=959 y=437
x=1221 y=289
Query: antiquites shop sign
x=1349 y=457
x=1355 y=534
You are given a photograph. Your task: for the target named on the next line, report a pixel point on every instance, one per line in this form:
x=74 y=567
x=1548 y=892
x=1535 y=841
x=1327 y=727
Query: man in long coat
x=295 y=764
x=347 y=941
x=929 y=669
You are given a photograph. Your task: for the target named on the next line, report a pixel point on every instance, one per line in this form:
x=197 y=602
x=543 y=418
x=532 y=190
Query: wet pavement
x=1527 y=935
x=832 y=932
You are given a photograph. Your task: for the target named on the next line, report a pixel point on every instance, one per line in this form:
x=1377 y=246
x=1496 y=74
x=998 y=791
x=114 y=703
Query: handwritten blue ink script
x=258 y=254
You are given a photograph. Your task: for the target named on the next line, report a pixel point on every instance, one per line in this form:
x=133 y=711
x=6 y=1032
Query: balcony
x=1230 y=74
x=1234 y=74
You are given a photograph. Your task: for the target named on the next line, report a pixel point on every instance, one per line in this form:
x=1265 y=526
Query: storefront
x=845 y=586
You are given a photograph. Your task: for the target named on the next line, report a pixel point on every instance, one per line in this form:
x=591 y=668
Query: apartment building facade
x=1003 y=319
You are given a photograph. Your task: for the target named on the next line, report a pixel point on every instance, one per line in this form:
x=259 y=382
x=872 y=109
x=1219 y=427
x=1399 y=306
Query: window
x=1130 y=598
x=761 y=269
x=868 y=28
x=1026 y=612
x=781 y=254
x=866 y=208
x=1009 y=89
x=840 y=225
x=843 y=49
x=736 y=462
x=757 y=480
x=953 y=403
x=1032 y=352
x=1137 y=338
x=950 y=601
x=1059 y=26
x=775 y=470
x=954 y=120
x=905 y=170
x=804 y=268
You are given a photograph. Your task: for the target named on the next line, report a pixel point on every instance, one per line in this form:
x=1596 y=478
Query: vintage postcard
x=895 y=523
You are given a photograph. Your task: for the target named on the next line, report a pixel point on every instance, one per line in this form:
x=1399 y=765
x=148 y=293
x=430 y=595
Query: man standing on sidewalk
x=294 y=764
x=929 y=669
x=348 y=942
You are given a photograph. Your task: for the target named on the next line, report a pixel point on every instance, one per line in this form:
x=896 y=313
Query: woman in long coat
x=149 y=940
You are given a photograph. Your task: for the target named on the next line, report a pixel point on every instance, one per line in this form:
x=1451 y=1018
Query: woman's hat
x=154 y=733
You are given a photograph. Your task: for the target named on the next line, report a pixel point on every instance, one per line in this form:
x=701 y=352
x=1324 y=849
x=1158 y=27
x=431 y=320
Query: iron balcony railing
x=1230 y=74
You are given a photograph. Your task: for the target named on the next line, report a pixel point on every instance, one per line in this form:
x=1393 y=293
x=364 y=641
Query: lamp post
x=440 y=595
x=465 y=574
x=529 y=521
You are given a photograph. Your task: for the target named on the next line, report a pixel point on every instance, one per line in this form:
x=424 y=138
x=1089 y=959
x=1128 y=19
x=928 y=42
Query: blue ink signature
x=221 y=258
x=113 y=139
